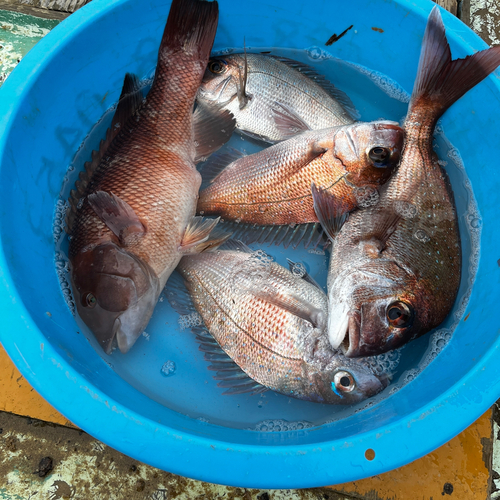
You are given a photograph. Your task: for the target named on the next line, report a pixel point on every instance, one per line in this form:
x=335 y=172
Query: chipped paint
x=484 y=19
x=18 y=34
x=83 y=469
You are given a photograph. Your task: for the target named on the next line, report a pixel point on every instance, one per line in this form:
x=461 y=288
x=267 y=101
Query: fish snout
x=115 y=294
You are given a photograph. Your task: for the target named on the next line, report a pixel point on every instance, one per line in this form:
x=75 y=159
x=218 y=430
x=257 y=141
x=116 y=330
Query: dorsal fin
x=130 y=100
x=311 y=235
x=326 y=85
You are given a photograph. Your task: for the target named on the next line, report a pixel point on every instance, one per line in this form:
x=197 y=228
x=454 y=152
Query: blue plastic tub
x=49 y=105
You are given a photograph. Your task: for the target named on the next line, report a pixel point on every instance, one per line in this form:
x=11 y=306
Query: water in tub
x=166 y=363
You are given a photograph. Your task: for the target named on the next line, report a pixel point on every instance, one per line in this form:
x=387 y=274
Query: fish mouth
x=130 y=324
x=389 y=125
x=350 y=343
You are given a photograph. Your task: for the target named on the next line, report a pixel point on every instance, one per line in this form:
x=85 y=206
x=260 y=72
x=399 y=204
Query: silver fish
x=251 y=86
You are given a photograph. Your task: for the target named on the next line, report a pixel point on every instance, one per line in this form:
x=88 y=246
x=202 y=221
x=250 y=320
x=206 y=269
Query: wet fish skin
x=273 y=186
x=395 y=267
x=135 y=215
x=246 y=304
x=269 y=80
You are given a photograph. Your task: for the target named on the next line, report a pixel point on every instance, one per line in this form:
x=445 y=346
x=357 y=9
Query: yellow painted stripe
x=463 y=463
x=17 y=396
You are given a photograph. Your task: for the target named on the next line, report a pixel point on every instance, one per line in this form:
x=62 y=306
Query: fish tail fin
x=191 y=27
x=440 y=81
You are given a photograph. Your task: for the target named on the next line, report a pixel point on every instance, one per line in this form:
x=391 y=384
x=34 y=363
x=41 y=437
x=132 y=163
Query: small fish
x=132 y=213
x=395 y=267
x=273 y=187
x=271 y=324
x=250 y=85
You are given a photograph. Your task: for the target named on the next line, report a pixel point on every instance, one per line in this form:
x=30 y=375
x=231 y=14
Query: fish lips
x=124 y=292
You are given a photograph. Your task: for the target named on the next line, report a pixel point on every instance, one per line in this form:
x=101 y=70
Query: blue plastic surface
x=48 y=106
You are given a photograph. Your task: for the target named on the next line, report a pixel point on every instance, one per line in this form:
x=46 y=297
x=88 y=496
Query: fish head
x=385 y=307
x=221 y=80
x=369 y=151
x=115 y=293
x=345 y=381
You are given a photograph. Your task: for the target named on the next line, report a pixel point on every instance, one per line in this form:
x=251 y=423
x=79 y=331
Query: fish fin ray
x=216 y=164
x=287 y=121
x=118 y=216
x=178 y=295
x=251 y=387
x=191 y=27
x=441 y=81
x=202 y=235
x=332 y=212
x=212 y=128
x=236 y=245
x=325 y=84
x=294 y=304
x=129 y=102
x=252 y=233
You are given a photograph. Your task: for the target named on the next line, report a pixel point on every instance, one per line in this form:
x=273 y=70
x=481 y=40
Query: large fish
x=271 y=323
x=132 y=214
x=250 y=86
x=273 y=186
x=395 y=267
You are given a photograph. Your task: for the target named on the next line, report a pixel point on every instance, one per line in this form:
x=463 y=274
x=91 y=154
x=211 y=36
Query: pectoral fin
x=212 y=128
x=332 y=212
x=293 y=304
x=201 y=235
x=287 y=121
x=118 y=215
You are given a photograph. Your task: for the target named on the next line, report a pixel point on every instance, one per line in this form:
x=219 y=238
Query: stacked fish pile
x=375 y=190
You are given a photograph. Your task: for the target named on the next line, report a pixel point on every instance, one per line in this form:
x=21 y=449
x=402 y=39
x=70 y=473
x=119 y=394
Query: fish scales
x=270 y=344
x=135 y=219
x=270 y=81
x=273 y=187
x=395 y=267
x=272 y=191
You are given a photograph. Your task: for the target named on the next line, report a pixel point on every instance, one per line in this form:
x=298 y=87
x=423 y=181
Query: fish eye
x=380 y=156
x=399 y=314
x=89 y=300
x=344 y=381
x=217 y=66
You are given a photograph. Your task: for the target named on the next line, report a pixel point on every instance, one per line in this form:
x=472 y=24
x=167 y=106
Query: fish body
x=271 y=324
x=395 y=267
x=273 y=186
x=132 y=215
x=270 y=82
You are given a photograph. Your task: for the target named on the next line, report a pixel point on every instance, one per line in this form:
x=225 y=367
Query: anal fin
x=201 y=235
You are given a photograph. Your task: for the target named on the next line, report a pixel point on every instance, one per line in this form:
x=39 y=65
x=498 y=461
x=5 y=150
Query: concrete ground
x=43 y=456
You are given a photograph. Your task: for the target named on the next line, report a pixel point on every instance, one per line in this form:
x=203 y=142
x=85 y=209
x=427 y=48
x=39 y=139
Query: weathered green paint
x=18 y=34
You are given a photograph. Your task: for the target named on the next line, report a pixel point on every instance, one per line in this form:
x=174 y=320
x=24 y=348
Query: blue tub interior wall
x=74 y=84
